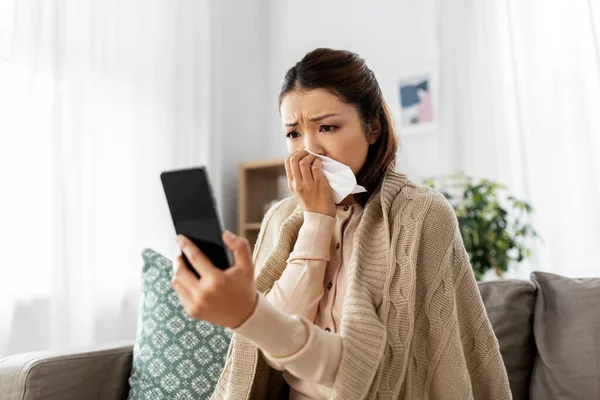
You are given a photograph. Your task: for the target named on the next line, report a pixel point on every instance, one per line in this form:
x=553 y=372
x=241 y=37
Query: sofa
x=548 y=329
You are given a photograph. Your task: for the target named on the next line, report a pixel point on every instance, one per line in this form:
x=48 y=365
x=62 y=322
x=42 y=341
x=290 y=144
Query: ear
x=375 y=131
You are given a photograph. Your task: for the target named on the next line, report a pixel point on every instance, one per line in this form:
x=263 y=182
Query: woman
x=373 y=297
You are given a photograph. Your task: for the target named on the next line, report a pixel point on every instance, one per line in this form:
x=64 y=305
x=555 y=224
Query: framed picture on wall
x=417 y=100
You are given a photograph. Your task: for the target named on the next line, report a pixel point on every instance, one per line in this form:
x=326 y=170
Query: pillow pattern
x=174 y=356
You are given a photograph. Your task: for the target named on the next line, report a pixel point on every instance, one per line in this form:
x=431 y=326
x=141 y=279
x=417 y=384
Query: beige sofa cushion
x=567 y=334
x=509 y=304
x=91 y=372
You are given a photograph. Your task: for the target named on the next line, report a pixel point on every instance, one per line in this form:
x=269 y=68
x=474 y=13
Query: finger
x=183 y=275
x=305 y=168
x=240 y=248
x=317 y=171
x=199 y=261
x=288 y=172
x=185 y=297
x=176 y=253
x=294 y=163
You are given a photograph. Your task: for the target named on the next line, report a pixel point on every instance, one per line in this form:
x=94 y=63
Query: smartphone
x=194 y=213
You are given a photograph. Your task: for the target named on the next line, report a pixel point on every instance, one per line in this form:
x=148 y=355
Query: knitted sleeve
x=487 y=371
x=459 y=349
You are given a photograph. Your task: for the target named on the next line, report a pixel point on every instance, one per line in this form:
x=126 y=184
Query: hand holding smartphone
x=194 y=213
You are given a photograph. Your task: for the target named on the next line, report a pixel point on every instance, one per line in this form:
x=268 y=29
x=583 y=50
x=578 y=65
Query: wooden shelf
x=260 y=182
x=253 y=226
x=262 y=164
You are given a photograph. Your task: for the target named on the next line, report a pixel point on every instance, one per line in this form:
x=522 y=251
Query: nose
x=313 y=145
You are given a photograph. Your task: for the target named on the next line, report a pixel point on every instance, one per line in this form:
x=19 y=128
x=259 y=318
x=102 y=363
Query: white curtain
x=96 y=99
x=520 y=103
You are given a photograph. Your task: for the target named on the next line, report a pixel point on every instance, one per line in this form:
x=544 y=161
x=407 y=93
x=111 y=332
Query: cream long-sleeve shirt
x=295 y=323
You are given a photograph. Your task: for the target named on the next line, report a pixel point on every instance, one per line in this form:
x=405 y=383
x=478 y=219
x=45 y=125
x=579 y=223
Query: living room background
x=99 y=97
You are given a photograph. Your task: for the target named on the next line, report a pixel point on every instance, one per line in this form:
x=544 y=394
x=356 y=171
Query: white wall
x=240 y=68
x=394 y=37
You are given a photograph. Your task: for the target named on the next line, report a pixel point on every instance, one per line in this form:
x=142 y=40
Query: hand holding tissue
x=339 y=176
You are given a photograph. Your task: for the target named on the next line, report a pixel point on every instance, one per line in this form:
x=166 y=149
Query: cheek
x=353 y=154
x=359 y=159
x=294 y=145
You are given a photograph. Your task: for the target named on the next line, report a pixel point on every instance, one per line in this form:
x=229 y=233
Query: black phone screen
x=194 y=213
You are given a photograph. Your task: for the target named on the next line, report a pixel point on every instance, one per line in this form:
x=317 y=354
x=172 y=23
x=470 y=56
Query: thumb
x=240 y=248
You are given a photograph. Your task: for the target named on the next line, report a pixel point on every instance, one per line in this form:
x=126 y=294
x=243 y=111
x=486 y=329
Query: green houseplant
x=494 y=225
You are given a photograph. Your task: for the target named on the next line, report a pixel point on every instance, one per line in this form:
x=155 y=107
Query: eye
x=327 y=128
x=289 y=135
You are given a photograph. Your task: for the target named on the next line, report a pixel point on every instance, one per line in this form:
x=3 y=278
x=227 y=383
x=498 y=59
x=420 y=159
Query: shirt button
x=329 y=285
x=346 y=208
x=328 y=330
x=337 y=246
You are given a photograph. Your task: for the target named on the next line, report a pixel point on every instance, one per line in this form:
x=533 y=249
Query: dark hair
x=346 y=75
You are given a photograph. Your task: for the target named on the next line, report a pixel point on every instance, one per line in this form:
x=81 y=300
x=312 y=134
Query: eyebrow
x=313 y=119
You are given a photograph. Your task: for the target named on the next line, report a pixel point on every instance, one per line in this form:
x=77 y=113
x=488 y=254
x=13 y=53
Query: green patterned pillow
x=174 y=356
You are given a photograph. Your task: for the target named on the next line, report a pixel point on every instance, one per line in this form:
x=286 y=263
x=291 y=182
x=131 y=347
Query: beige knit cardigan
x=413 y=322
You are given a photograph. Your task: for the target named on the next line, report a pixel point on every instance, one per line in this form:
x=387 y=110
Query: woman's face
x=319 y=121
